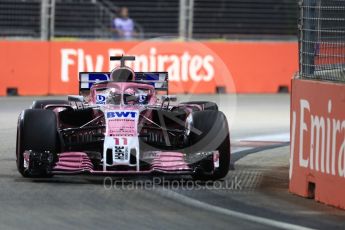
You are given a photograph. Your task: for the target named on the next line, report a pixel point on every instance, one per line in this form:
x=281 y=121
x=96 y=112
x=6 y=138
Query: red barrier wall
x=38 y=68
x=25 y=66
x=318 y=141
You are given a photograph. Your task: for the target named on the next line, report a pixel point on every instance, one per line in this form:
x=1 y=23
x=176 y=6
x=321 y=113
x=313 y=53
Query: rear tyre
x=213 y=135
x=205 y=105
x=40 y=104
x=36 y=131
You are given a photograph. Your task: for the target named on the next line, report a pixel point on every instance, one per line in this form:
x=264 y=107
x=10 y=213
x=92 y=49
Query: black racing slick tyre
x=209 y=131
x=40 y=104
x=205 y=105
x=36 y=131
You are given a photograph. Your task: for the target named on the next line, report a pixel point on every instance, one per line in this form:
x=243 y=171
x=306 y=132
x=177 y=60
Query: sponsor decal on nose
x=121 y=114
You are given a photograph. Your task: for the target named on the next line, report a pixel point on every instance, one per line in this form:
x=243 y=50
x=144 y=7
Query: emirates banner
x=317 y=162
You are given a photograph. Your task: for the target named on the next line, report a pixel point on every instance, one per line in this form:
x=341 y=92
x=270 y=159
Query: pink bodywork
x=70 y=161
x=79 y=162
x=163 y=162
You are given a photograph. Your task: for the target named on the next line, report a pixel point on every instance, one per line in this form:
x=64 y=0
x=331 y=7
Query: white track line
x=283 y=137
x=199 y=204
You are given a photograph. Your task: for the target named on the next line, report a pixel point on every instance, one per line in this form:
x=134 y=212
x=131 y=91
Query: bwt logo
x=121 y=114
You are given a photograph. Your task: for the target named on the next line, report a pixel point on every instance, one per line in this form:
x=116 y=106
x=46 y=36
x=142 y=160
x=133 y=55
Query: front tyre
x=36 y=131
x=209 y=131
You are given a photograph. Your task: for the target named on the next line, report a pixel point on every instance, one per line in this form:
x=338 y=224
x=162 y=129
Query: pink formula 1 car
x=119 y=126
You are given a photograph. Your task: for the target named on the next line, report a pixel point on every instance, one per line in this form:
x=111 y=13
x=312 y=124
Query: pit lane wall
x=42 y=68
x=317 y=160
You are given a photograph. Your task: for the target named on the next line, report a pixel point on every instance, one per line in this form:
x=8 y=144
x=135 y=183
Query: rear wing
x=159 y=80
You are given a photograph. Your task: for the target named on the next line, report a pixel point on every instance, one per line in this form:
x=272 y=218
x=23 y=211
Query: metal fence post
x=308 y=37
x=182 y=19
x=186 y=15
x=52 y=19
x=190 y=19
x=44 y=20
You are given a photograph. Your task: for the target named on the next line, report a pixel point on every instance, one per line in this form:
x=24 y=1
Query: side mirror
x=169 y=98
x=75 y=98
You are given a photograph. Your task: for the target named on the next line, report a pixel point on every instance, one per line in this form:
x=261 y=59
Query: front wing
x=71 y=163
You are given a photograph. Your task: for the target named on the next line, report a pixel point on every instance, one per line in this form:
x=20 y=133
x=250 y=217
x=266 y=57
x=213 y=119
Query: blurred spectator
x=123 y=26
